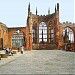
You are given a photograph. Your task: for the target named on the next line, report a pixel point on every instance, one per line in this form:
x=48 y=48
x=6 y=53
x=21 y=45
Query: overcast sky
x=13 y=13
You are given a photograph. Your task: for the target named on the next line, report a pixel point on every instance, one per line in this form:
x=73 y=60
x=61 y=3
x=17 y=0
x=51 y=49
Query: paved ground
x=39 y=62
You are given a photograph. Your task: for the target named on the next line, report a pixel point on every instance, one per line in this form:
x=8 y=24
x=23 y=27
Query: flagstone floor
x=39 y=62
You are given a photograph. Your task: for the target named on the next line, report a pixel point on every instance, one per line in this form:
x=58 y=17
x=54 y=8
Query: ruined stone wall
x=12 y=30
x=61 y=28
x=4 y=34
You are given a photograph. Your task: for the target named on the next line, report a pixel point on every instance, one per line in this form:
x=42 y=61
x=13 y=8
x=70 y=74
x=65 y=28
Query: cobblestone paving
x=39 y=62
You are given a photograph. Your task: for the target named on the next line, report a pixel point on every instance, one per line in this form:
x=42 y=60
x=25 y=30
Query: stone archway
x=18 y=39
x=11 y=32
x=68 y=35
x=42 y=35
x=68 y=38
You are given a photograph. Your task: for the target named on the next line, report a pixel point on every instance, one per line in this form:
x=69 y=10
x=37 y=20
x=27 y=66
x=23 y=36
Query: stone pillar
x=29 y=24
x=30 y=42
x=27 y=38
x=61 y=41
x=57 y=32
x=10 y=40
x=38 y=36
x=26 y=43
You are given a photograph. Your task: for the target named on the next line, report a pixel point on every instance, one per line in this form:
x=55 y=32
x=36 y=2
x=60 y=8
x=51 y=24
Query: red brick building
x=41 y=32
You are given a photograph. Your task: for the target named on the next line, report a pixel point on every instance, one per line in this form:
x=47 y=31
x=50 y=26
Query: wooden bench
x=3 y=55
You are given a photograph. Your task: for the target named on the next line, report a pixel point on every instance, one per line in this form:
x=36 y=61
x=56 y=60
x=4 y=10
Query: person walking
x=22 y=49
x=11 y=52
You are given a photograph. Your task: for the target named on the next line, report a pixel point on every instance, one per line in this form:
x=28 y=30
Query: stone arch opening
x=68 y=35
x=18 y=39
x=42 y=33
x=34 y=33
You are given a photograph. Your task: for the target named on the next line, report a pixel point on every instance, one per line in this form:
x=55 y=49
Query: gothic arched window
x=42 y=33
x=68 y=35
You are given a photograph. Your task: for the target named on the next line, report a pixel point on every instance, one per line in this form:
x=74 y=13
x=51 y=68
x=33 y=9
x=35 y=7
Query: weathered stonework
x=3 y=35
x=33 y=21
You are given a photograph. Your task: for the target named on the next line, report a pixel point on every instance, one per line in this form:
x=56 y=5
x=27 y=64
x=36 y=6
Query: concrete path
x=39 y=62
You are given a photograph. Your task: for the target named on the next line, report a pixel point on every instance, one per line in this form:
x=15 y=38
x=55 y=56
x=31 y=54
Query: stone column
x=10 y=39
x=27 y=38
x=57 y=32
x=38 y=35
x=30 y=42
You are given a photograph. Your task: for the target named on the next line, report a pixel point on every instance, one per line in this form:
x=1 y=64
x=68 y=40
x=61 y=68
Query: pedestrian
x=7 y=50
x=22 y=49
x=11 y=52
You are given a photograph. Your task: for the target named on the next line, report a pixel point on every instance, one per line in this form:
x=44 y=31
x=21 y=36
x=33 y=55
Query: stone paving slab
x=9 y=59
x=40 y=62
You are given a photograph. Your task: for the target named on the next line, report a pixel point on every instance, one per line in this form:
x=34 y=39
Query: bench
x=3 y=55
